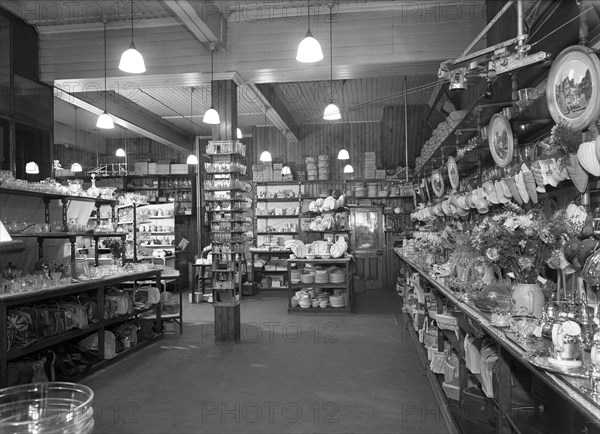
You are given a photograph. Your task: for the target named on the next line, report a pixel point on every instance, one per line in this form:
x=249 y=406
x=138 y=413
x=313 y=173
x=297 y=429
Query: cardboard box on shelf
x=140 y=168
x=151 y=168
x=179 y=169
x=163 y=167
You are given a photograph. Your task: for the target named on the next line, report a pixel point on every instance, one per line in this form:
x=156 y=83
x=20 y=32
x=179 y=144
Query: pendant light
x=120 y=153
x=285 y=170
x=239 y=134
x=343 y=155
x=104 y=120
x=131 y=59
x=32 y=168
x=265 y=156
x=309 y=50
x=332 y=112
x=76 y=167
x=211 y=116
x=192 y=159
x=348 y=168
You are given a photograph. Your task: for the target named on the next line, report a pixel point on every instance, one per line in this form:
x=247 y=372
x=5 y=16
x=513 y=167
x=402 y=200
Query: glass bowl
x=48 y=408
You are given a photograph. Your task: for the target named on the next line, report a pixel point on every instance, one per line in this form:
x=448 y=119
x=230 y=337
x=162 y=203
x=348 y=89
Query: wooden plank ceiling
x=376 y=46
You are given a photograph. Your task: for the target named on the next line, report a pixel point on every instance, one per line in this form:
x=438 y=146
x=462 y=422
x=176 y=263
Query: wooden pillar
x=224 y=99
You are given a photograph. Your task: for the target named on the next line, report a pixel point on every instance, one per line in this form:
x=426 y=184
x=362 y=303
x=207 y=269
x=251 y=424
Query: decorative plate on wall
x=500 y=139
x=437 y=183
x=572 y=91
x=453 y=173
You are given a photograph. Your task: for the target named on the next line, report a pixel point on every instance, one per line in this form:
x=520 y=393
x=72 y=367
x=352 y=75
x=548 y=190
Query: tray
x=542 y=362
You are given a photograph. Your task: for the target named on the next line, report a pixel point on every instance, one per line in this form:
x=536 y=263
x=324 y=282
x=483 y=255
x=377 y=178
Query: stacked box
x=179 y=169
x=163 y=167
x=151 y=168
x=311 y=168
x=380 y=174
x=323 y=167
x=277 y=172
x=140 y=168
x=369 y=165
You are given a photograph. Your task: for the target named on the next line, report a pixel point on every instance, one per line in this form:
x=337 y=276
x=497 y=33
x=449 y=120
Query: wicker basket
x=430 y=337
x=450 y=367
x=452 y=389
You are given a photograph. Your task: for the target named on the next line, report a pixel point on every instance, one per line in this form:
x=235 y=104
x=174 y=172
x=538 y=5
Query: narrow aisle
x=291 y=373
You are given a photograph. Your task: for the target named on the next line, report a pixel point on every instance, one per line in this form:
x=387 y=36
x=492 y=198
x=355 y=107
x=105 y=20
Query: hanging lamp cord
x=331 y=52
x=308 y=17
x=131 y=20
x=105 y=90
x=191 y=110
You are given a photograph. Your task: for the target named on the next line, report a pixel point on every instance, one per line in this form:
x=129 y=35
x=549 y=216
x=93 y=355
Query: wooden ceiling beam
x=203 y=19
x=277 y=112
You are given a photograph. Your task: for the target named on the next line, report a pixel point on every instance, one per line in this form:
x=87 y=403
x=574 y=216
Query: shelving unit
x=282 y=254
x=94 y=287
x=345 y=288
x=176 y=189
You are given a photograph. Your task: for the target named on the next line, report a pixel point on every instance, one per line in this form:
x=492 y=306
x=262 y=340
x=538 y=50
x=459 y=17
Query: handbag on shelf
x=20 y=329
x=78 y=313
x=123 y=301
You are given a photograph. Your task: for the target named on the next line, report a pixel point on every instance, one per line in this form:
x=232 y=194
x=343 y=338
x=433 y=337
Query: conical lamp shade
x=285 y=170
x=343 y=155
x=120 y=153
x=105 y=121
x=76 y=167
x=239 y=133
x=265 y=157
x=348 y=168
x=332 y=113
x=132 y=61
x=211 y=117
x=32 y=168
x=309 y=50
x=192 y=159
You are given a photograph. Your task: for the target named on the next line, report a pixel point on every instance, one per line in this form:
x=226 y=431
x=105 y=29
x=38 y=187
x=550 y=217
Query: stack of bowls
x=321 y=276
x=304 y=300
x=307 y=278
x=337 y=301
x=337 y=277
x=295 y=276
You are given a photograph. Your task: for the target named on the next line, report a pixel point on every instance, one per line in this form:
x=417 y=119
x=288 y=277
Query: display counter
x=566 y=386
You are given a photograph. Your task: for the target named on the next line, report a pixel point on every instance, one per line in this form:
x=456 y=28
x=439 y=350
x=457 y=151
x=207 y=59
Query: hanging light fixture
x=76 y=168
x=332 y=111
x=343 y=155
x=120 y=153
x=211 y=116
x=266 y=157
x=192 y=159
x=104 y=120
x=348 y=168
x=32 y=168
x=239 y=133
x=131 y=59
x=309 y=50
x=285 y=170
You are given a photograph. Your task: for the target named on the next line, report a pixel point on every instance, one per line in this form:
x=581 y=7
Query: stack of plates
x=305 y=303
x=321 y=276
x=337 y=277
x=337 y=301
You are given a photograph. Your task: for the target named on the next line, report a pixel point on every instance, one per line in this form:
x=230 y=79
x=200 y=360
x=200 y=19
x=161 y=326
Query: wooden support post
x=224 y=98
x=227 y=324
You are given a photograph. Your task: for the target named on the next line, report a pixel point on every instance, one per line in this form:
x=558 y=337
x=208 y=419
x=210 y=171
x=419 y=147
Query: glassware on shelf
x=93 y=191
x=592 y=364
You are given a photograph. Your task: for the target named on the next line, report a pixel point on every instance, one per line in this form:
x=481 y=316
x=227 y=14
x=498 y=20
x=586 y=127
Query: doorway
x=366 y=223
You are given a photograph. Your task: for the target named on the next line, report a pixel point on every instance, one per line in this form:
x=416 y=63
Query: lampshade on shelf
x=309 y=49
x=348 y=168
x=285 y=170
x=192 y=159
x=239 y=134
x=120 y=153
x=332 y=111
x=104 y=120
x=211 y=116
x=265 y=157
x=76 y=167
x=32 y=168
x=343 y=155
x=131 y=59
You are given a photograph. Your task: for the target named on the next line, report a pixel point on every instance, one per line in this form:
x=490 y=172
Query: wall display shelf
x=568 y=408
x=331 y=281
x=269 y=264
x=176 y=189
x=47 y=231
x=93 y=287
x=155 y=232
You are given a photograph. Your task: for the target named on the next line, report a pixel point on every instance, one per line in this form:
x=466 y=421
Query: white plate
x=500 y=140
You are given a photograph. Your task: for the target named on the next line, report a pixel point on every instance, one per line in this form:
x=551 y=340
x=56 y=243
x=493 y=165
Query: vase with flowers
x=116 y=249
x=520 y=243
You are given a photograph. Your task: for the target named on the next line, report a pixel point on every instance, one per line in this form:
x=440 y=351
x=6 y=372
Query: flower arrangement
x=518 y=242
x=115 y=245
x=565 y=138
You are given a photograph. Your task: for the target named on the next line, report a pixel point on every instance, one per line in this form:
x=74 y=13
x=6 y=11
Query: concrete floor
x=293 y=373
